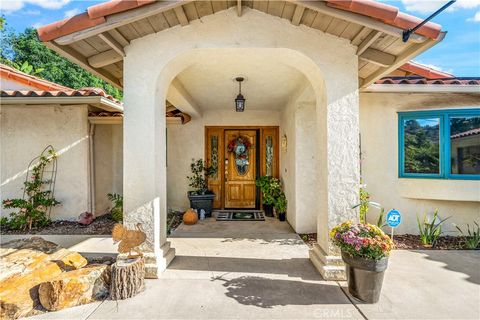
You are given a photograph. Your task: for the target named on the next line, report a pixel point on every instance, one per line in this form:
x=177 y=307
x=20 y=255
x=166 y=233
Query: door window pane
x=465 y=144
x=422 y=145
x=214 y=155
x=269 y=156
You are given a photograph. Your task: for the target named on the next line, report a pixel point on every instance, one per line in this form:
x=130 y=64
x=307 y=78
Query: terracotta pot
x=190 y=217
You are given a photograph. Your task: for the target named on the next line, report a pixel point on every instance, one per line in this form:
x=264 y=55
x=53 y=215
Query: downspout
x=92 y=168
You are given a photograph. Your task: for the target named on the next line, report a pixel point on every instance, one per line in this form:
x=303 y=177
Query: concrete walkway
x=260 y=270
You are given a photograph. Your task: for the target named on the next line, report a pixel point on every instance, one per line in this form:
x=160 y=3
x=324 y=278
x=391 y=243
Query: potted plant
x=281 y=206
x=365 y=249
x=200 y=197
x=270 y=188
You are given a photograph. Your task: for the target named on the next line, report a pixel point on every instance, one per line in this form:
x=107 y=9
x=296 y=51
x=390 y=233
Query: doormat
x=240 y=216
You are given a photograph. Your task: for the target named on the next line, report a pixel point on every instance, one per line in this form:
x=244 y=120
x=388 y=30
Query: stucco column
x=144 y=180
x=338 y=169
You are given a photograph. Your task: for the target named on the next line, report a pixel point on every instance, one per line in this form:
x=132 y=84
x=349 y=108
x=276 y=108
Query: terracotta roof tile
x=96 y=14
x=424 y=71
x=83 y=92
x=115 y=6
x=387 y=14
x=420 y=80
x=10 y=73
x=466 y=133
x=105 y=114
x=45 y=88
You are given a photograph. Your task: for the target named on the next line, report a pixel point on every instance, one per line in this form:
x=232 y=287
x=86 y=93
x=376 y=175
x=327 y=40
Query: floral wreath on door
x=240 y=147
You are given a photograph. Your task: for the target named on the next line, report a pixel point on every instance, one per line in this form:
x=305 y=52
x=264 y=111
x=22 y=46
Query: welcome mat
x=240 y=215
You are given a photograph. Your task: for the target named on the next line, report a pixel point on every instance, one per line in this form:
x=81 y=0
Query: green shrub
x=472 y=237
x=4 y=224
x=281 y=203
x=270 y=187
x=430 y=231
x=198 y=181
x=32 y=211
x=117 y=210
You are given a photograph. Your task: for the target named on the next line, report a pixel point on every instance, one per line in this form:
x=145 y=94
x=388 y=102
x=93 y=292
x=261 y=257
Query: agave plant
x=472 y=237
x=430 y=231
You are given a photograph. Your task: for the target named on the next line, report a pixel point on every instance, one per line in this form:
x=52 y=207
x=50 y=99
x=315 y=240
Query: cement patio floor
x=260 y=270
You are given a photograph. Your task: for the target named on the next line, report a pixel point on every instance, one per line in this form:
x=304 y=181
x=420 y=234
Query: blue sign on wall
x=394 y=218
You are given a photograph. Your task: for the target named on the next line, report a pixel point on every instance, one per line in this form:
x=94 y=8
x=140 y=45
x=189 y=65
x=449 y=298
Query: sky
x=458 y=53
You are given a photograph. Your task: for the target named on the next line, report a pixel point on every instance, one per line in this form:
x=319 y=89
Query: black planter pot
x=268 y=208
x=282 y=216
x=202 y=201
x=365 y=277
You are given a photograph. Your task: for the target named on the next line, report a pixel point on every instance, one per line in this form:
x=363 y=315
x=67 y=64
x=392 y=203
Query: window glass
x=465 y=144
x=269 y=156
x=422 y=145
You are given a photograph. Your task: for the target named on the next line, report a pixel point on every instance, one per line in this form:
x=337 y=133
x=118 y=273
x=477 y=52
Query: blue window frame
x=439 y=144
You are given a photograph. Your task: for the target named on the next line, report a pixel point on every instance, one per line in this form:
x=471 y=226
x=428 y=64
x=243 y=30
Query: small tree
x=200 y=174
x=33 y=208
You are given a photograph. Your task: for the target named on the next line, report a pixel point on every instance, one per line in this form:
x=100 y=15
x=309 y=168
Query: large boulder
x=26 y=263
x=76 y=287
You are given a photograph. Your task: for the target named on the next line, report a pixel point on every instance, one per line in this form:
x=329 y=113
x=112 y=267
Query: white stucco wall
x=151 y=64
x=459 y=199
x=108 y=154
x=26 y=131
x=298 y=163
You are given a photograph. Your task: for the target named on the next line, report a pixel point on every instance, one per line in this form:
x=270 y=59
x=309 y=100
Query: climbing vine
x=33 y=208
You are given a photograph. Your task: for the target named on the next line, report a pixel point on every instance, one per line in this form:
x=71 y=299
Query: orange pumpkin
x=190 y=217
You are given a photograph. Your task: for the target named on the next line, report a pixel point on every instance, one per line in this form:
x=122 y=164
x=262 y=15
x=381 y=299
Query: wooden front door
x=240 y=168
x=234 y=186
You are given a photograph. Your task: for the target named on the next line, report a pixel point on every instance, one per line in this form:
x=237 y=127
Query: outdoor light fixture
x=240 y=100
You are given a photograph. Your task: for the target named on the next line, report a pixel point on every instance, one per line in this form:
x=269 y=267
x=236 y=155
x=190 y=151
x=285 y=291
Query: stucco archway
x=153 y=62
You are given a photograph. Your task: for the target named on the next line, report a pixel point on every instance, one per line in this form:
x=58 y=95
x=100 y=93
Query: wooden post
x=128 y=278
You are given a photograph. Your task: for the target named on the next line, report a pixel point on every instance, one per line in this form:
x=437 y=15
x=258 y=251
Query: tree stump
x=128 y=278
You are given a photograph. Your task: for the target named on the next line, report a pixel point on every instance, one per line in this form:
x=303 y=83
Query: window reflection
x=421 y=145
x=465 y=144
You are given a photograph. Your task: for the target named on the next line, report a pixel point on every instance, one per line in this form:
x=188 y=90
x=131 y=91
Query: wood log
x=128 y=278
x=75 y=288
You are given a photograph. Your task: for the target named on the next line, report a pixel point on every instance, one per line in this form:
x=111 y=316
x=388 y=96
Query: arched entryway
x=154 y=62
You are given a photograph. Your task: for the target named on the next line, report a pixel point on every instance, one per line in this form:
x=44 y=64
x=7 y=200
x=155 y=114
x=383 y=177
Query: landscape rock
x=24 y=264
x=76 y=287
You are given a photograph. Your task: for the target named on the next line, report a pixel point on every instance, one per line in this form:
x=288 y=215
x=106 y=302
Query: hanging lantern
x=240 y=100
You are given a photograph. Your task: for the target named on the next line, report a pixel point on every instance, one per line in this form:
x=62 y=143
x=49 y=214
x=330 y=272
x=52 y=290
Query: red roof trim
x=115 y=6
x=29 y=80
x=45 y=88
x=96 y=14
x=83 y=92
x=425 y=71
x=387 y=14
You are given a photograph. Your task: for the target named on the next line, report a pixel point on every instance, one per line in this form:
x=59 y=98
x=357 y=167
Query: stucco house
x=331 y=99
